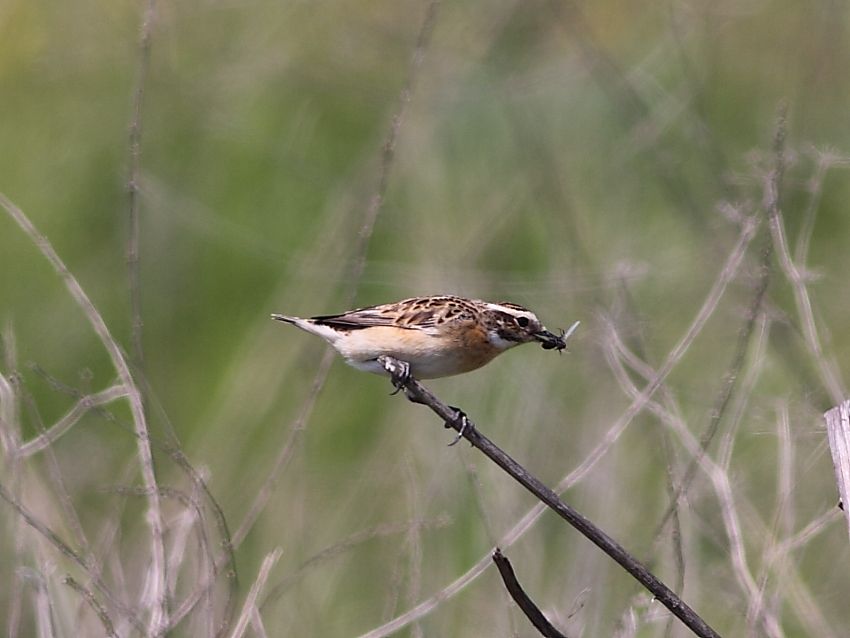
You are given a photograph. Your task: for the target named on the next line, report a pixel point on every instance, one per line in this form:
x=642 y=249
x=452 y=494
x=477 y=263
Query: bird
x=433 y=337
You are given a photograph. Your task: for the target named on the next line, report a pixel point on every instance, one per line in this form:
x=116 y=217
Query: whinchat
x=437 y=336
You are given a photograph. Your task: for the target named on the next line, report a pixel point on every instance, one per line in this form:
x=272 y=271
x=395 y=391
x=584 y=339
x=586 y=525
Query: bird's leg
x=398 y=370
x=400 y=375
x=461 y=422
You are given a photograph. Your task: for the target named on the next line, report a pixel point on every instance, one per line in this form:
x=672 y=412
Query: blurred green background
x=580 y=159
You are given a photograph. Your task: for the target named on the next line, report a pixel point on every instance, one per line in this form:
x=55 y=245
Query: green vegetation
x=593 y=163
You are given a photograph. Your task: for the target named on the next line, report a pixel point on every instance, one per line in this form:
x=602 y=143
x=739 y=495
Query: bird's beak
x=550 y=340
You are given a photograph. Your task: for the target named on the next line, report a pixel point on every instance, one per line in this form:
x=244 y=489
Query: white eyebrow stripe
x=498 y=308
x=512 y=311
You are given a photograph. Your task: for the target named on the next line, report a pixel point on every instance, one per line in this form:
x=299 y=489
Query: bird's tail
x=329 y=334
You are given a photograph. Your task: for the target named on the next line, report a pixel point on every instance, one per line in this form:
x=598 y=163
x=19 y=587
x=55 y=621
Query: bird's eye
x=522 y=321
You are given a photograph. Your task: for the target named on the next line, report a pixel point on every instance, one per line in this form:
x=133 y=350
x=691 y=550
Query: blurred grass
x=545 y=158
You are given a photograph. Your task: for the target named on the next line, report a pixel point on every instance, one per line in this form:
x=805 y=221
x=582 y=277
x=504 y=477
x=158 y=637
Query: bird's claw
x=398 y=370
x=465 y=424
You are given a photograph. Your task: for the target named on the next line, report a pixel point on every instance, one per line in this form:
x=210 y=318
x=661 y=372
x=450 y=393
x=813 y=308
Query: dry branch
x=531 y=611
x=455 y=419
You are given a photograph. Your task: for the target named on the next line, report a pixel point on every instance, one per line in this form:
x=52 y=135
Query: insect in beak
x=551 y=341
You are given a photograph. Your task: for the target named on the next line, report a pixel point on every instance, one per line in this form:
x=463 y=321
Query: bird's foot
x=399 y=372
x=461 y=423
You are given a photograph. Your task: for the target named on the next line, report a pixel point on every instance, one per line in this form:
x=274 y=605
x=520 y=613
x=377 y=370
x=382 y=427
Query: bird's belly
x=429 y=356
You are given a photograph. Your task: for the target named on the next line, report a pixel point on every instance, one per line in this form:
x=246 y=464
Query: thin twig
x=418 y=393
x=783 y=523
x=427 y=606
x=730 y=380
x=135 y=154
x=343 y=546
x=376 y=202
x=815 y=188
x=267 y=489
x=10 y=428
x=824 y=161
x=77 y=412
x=523 y=601
x=717 y=474
x=257 y=624
x=159 y=594
x=413 y=544
x=10 y=405
x=105 y=552
x=94 y=603
x=227 y=560
x=251 y=600
x=800 y=598
x=487 y=524
x=829 y=371
x=43 y=602
x=54 y=471
x=815 y=527
x=190 y=504
x=677 y=550
x=65 y=549
x=726 y=275
x=159 y=613
x=605 y=70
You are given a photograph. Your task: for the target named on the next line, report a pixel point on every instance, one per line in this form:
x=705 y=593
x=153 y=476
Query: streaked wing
x=354 y=319
x=414 y=314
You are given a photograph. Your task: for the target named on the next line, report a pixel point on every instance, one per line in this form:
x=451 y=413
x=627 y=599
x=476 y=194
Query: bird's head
x=509 y=324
